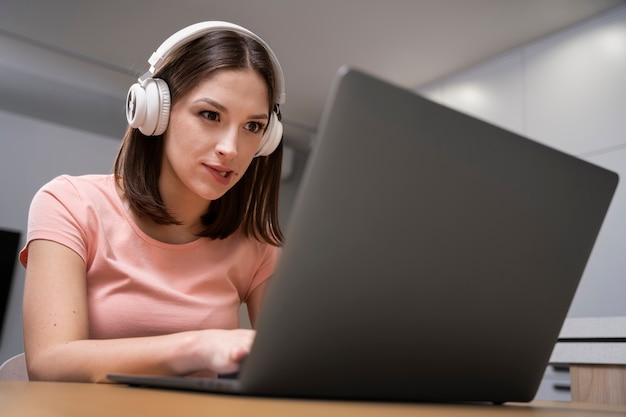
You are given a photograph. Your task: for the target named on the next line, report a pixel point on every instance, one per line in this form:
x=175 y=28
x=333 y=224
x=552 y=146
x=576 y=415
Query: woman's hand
x=222 y=351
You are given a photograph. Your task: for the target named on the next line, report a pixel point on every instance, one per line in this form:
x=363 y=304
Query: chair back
x=14 y=369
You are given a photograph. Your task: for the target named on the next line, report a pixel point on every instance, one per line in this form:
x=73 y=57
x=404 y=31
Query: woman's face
x=212 y=136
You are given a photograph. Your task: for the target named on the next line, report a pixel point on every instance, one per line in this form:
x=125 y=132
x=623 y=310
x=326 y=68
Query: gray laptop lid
x=430 y=256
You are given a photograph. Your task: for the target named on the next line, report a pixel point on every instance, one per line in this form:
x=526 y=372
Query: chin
x=212 y=195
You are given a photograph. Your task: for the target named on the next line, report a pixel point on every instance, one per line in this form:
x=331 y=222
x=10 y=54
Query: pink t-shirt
x=136 y=285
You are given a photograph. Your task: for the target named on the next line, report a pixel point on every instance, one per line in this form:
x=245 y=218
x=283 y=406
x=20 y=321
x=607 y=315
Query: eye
x=210 y=115
x=255 y=127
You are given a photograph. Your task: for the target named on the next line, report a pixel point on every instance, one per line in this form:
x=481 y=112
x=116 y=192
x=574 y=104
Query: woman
x=143 y=271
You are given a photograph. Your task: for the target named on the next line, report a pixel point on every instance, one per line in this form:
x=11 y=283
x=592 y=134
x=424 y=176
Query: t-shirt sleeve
x=266 y=268
x=57 y=214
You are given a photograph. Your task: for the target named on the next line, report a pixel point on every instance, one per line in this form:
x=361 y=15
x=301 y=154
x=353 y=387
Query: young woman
x=143 y=271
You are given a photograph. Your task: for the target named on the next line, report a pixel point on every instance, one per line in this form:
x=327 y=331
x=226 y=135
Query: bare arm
x=56 y=335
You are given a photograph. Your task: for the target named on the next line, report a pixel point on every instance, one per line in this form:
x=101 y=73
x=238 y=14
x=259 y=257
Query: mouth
x=220 y=173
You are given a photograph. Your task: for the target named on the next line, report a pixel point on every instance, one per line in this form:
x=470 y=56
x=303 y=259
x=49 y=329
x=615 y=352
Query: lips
x=219 y=173
x=223 y=173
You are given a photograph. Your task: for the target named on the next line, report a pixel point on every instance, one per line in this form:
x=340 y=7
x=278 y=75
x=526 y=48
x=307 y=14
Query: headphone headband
x=195 y=31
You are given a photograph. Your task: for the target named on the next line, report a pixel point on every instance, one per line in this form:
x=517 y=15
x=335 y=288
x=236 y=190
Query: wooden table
x=59 y=399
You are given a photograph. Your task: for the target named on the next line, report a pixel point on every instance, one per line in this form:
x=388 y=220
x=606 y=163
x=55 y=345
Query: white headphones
x=148 y=101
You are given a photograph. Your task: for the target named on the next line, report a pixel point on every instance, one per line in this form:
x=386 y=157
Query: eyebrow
x=221 y=108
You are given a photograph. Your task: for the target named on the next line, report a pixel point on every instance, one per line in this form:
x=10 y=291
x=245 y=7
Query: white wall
x=567 y=91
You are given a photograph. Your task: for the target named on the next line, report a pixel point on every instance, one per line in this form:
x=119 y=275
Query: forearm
x=92 y=360
x=206 y=352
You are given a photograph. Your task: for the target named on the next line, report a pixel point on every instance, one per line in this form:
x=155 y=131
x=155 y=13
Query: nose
x=226 y=145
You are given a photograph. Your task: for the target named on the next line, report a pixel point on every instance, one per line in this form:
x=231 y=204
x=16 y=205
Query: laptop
x=430 y=256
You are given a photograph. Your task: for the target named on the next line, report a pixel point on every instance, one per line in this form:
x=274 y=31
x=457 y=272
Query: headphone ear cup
x=272 y=137
x=148 y=106
x=136 y=105
x=157 y=107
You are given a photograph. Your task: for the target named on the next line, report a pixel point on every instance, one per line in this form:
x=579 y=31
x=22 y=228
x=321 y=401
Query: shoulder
x=249 y=243
x=75 y=199
x=258 y=259
x=69 y=209
x=79 y=183
x=259 y=255
x=78 y=189
x=240 y=251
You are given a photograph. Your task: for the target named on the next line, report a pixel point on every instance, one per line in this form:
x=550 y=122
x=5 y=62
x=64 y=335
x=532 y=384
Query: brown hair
x=252 y=203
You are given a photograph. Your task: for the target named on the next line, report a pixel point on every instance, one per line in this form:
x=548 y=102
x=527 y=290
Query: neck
x=169 y=233
x=188 y=213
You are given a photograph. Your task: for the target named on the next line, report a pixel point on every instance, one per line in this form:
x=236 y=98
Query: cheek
x=176 y=148
x=178 y=155
x=248 y=155
x=181 y=140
